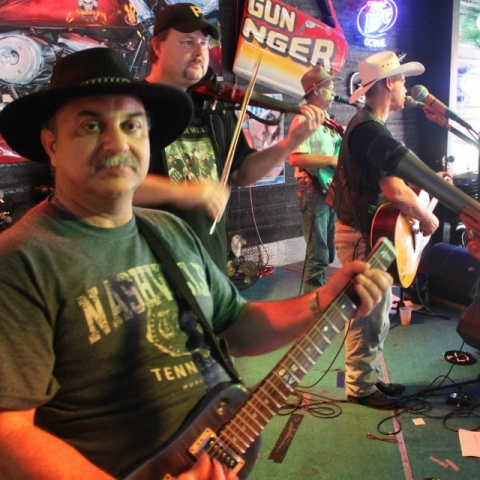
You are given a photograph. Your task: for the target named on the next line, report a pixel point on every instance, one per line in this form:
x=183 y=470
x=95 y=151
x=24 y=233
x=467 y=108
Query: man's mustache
x=113 y=161
x=198 y=61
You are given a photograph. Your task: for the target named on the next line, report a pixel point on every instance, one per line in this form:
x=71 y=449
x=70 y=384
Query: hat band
x=100 y=80
x=369 y=83
x=315 y=85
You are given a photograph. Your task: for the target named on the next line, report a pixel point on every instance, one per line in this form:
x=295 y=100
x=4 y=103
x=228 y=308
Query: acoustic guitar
x=406 y=236
x=228 y=422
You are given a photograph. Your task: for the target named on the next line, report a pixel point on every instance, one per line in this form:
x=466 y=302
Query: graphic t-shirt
x=192 y=158
x=95 y=337
x=199 y=155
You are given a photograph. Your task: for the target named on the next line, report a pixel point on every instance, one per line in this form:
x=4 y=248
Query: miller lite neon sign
x=375 y=19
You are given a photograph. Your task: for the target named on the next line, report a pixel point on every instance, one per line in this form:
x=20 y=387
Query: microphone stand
x=468 y=215
x=443 y=122
x=471 y=220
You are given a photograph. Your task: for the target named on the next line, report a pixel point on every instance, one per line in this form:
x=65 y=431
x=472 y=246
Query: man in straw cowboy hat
x=314 y=161
x=358 y=189
x=101 y=355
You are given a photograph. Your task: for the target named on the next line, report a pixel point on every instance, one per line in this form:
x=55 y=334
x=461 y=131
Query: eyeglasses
x=331 y=88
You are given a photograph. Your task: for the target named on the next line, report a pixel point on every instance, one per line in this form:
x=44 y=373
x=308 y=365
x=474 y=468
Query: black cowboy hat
x=92 y=72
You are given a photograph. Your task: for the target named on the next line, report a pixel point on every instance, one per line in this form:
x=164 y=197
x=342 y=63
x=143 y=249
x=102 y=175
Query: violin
x=232 y=94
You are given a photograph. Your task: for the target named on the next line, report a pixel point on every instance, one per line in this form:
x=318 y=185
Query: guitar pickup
x=209 y=443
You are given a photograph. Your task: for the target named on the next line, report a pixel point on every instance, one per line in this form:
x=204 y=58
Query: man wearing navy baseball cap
x=186 y=18
x=179 y=56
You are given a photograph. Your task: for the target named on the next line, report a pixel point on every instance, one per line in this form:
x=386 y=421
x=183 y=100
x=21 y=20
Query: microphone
x=439 y=120
x=430 y=114
x=339 y=99
x=421 y=94
x=410 y=102
x=391 y=156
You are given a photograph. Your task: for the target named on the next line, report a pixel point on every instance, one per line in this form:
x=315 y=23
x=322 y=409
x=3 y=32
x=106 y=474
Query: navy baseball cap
x=184 y=17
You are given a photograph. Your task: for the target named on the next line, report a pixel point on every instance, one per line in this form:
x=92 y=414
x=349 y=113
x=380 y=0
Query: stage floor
x=321 y=436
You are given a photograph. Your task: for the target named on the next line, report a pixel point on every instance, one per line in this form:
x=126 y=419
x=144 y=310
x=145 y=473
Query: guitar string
x=219 y=453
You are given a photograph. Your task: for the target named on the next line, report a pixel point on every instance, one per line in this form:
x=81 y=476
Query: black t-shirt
x=202 y=150
x=356 y=181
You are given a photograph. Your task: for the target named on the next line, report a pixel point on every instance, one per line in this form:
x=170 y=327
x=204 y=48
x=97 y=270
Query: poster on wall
x=289 y=43
x=34 y=34
x=262 y=135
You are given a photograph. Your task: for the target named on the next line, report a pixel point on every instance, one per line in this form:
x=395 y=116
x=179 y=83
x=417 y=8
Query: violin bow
x=238 y=129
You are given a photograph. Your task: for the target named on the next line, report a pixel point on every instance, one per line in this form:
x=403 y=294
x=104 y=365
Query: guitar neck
x=270 y=395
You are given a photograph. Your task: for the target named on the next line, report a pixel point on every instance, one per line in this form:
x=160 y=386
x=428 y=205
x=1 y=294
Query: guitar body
x=324 y=175
x=212 y=412
x=406 y=237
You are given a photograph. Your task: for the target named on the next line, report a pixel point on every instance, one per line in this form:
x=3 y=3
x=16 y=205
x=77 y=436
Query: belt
x=343 y=224
x=307 y=178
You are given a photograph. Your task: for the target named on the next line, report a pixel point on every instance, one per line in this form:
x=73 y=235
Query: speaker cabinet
x=453 y=274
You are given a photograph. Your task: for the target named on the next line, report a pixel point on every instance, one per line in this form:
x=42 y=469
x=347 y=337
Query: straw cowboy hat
x=382 y=65
x=314 y=77
x=92 y=72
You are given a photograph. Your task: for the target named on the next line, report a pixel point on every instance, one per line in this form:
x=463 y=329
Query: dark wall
x=423 y=32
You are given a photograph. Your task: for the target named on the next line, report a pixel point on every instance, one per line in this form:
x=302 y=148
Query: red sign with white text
x=290 y=43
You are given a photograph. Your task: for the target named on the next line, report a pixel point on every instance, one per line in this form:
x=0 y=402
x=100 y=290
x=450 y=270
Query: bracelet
x=314 y=305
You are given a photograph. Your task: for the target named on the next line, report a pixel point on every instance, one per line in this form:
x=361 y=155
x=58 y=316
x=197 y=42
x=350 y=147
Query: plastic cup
x=405 y=315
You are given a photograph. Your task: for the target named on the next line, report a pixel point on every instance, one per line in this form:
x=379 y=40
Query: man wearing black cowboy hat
x=101 y=355
x=179 y=56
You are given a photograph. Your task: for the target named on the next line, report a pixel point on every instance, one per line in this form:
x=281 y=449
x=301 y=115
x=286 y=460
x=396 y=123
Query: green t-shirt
x=91 y=334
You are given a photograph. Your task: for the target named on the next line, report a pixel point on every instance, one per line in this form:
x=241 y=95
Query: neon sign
x=375 y=19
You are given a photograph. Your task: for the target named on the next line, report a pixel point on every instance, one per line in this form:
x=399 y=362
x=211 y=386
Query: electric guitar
x=228 y=422
x=325 y=174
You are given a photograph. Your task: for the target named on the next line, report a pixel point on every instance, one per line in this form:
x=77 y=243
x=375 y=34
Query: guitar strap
x=175 y=277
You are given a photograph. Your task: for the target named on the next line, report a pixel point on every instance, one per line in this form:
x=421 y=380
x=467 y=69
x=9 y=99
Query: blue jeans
x=364 y=336
x=318 y=226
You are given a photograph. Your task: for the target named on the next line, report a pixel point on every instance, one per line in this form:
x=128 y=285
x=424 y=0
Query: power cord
x=318 y=406
x=266 y=268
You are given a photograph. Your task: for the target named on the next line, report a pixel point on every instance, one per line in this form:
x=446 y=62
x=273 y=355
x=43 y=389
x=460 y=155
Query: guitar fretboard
x=270 y=395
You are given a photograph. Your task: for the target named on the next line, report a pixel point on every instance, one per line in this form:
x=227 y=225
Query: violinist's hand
x=209 y=197
x=208 y=469
x=157 y=190
x=314 y=117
